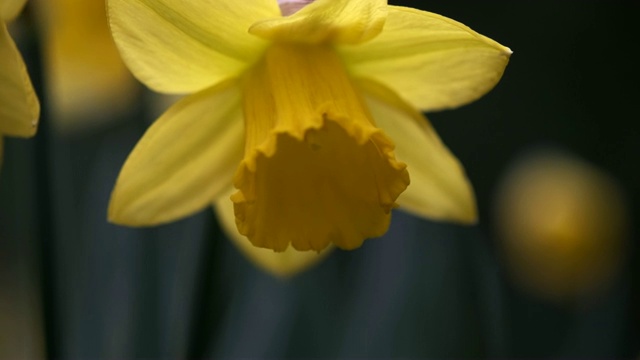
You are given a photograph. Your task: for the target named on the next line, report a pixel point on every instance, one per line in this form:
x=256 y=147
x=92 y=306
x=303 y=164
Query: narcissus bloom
x=305 y=117
x=19 y=106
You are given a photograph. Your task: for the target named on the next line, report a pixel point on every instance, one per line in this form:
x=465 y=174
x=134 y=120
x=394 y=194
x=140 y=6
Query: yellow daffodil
x=19 y=107
x=295 y=111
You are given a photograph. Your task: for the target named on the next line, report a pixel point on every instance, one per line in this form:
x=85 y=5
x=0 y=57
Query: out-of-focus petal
x=86 y=80
x=284 y=264
x=180 y=46
x=20 y=108
x=9 y=9
x=184 y=161
x=339 y=21
x=439 y=188
x=431 y=61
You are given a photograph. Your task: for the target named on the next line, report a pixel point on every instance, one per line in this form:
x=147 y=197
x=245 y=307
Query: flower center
x=316 y=169
x=289 y=7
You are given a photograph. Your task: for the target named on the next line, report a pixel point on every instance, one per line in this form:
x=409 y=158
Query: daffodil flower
x=19 y=106
x=294 y=112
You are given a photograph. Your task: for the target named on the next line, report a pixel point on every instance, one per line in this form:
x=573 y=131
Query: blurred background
x=551 y=269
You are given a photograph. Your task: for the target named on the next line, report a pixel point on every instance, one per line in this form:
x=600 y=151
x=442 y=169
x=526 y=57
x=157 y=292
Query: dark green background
x=423 y=290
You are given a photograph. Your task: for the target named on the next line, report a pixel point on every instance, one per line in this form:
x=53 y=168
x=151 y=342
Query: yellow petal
x=339 y=21
x=9 y=9
x=178 y=46
x=284 y=264
x=431 y=61
x=439 y=188
x=20 y=108
x=316 y=170
x=85 y=75
x=183 y=162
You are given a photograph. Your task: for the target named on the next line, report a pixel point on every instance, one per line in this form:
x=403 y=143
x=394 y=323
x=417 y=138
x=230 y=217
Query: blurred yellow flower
x=19 y=106
x=562 y=225
x=300 y=114
x=87 y=83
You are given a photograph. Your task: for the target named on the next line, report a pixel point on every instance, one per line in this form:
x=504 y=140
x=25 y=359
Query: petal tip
x=114 y=211
x=470 y=218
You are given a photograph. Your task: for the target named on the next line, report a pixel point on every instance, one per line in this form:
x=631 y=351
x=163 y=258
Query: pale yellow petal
x=178 y=46
x=431 y=61
x=284 y=264
x=338 y=21
x=9 y=9
x=183 y=162
x=439 y=188
x=20 y=108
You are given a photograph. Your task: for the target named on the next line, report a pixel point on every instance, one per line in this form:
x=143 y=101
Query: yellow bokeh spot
x=562 y=223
